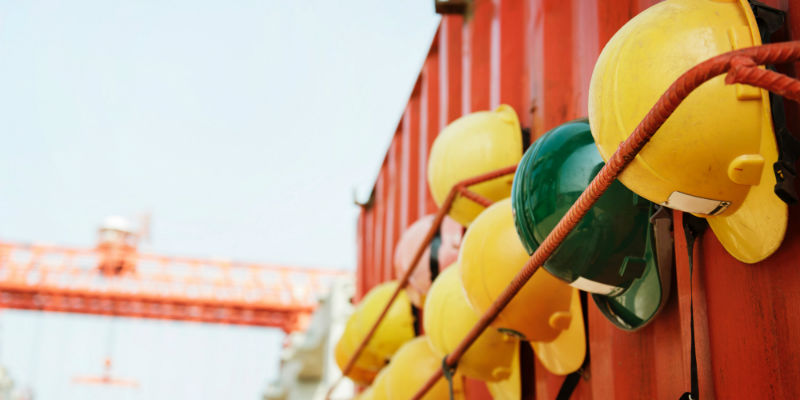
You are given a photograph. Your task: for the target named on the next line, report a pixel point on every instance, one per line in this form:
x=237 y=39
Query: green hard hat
x=611 y=253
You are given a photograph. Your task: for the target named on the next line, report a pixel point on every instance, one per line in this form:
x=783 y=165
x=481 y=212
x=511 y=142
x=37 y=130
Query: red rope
x=743 y=65
x=745 y=70
x=459 y=188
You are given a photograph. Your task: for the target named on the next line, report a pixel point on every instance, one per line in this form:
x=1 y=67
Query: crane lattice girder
x=67 y=279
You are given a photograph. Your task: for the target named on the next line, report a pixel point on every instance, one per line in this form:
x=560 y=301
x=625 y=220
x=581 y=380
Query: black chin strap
x=448 y=373
x=433 y=261
x=526 y=138
x=527 y=363
x=770 y=21
x=417 y=320
x=788 y=152
x=693 y=228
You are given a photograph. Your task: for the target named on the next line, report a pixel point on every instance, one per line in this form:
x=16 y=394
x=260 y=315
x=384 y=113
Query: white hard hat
x=116 y=223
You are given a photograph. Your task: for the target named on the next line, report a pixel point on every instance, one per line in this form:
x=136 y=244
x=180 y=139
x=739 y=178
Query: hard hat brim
x=646 y=295
x=511 y=387
x=756 y=229
x=566 y=353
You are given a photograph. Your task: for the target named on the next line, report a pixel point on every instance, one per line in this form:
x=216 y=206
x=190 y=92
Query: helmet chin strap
x=770 y=21
x=526 y=139
x=661 y=221
x=788 y=153
x=436 y=243
x=417 y=320
x=693 y=228
x=448 y=372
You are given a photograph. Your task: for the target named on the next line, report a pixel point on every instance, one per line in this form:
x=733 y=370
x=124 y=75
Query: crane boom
x=69 y=279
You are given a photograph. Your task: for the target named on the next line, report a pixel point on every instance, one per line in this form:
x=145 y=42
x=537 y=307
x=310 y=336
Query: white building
x=307 y=365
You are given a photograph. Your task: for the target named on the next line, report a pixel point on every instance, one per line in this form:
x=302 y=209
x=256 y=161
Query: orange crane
x=115 y=278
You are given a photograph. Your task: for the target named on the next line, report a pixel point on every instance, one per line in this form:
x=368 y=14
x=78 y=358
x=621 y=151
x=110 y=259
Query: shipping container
x=538 y=57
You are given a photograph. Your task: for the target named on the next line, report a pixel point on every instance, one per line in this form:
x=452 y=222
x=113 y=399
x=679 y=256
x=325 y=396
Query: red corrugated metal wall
x=538 y=56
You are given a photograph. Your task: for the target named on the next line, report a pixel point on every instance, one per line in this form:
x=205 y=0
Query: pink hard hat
x=445 y=244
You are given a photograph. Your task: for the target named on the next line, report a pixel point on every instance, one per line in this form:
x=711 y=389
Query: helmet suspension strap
x=693 y=228
x=448 y=372
x=771 y=20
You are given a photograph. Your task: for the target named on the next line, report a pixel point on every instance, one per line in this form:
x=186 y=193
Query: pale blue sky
x=243 y=126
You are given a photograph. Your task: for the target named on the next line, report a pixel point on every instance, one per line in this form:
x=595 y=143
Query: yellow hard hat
x=379 y=389
x=367 y=365
x=566 y=353
x=713 y=157
x=472 y=145
x=511 y=387
x=491 y=255
x=395 y=329
x=447 y=319
x=543 y=311
x=411 y=367
x=365 y=395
